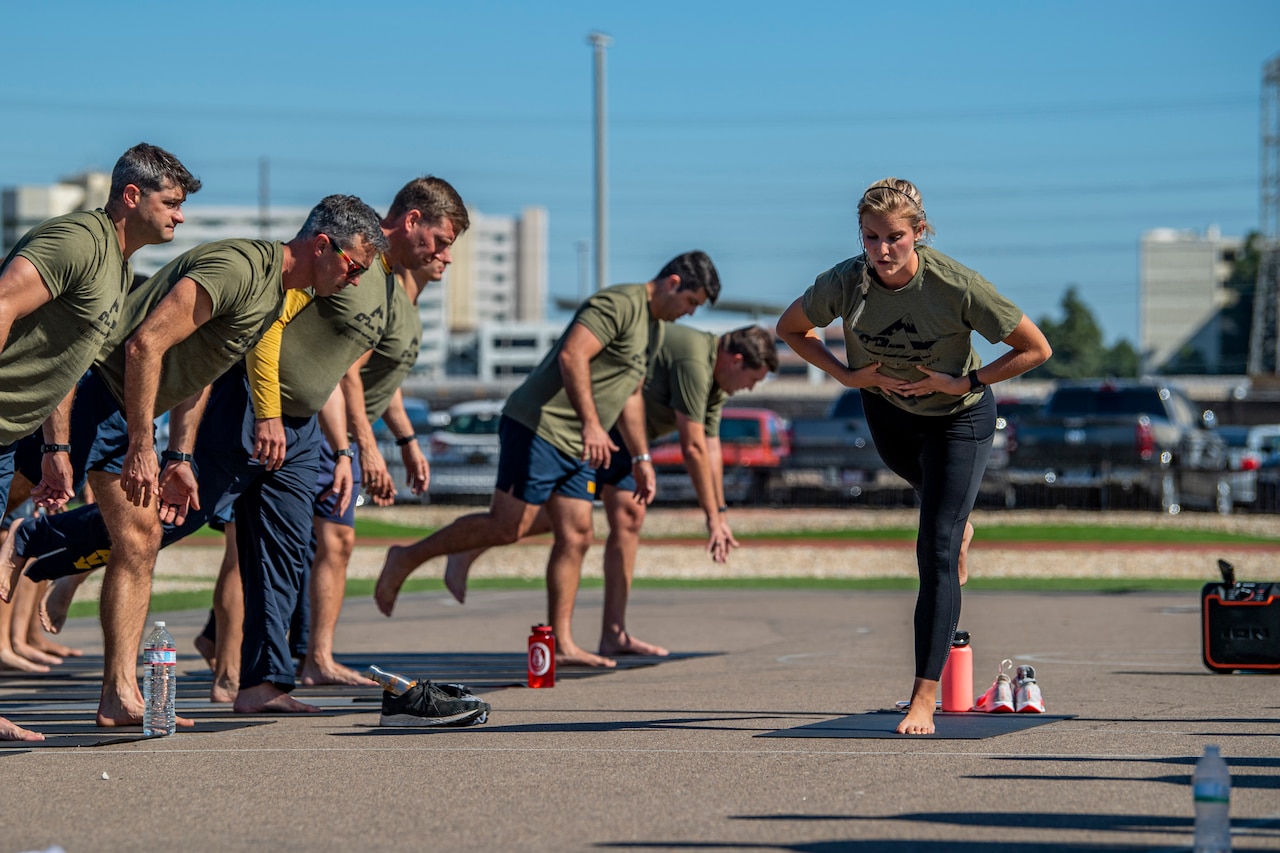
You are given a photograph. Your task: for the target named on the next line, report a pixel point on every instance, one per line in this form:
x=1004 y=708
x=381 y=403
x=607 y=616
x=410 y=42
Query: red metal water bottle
x=542 y=657
x=957 y=675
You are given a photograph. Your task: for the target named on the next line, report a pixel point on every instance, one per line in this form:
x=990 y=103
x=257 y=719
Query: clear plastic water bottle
x=1211 y=784
x=159 y=682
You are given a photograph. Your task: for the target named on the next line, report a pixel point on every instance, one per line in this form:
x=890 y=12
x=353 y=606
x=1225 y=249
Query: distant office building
x=1181 y=296
x=23 y=208
x=499 y=271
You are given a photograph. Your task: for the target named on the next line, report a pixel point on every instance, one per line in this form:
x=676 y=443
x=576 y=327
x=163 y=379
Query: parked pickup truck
x=1121 y=438
x=754 y=444
x=835 y=454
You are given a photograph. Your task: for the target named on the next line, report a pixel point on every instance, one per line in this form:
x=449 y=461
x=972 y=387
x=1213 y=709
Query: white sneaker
x=999 y=696
x=1027 y=697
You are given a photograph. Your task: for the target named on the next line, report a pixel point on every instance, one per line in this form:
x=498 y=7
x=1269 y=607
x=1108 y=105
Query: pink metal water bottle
x=542 y=657
x=957 y=675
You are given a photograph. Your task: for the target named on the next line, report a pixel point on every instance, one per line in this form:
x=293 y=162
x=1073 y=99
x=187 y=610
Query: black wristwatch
x=176 y=456
x=55 y=448
x=975 y=384
x=346 y=451
x=408 y=439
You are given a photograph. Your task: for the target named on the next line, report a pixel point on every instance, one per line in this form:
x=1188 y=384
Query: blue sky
x=1046 y=137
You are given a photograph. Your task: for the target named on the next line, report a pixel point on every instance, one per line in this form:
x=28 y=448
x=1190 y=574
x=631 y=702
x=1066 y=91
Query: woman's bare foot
x=456 y=569
x=37 y=640
x=627 y=644
x=207 y=649
x=964 y=552
x=11 y=565
x=56 y=602
x=9 y=659
x=572 y=655
x=266 y=698
x=311 y=674
x=393 y=575
x=919 y=718
x=10 y=730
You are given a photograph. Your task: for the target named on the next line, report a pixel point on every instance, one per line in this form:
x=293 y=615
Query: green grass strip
x=1031 y=533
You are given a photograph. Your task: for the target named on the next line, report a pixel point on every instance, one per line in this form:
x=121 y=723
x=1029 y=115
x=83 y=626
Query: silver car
x=464 y=451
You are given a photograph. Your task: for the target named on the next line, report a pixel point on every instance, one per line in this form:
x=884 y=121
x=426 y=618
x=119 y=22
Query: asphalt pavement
x=700 y=752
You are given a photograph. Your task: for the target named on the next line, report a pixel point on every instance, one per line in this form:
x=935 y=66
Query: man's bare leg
x=9 y=657
x=571 y=525
x=228 y=612
x=626 y=517
x=964 y=552
x=458 y=566
x=207 y=648
x=919 y=719
x=334 y=543
x=11 y=564
x=27 y=633
x=26 y=602
x=12 y=731
x=507 y=520
x=126 y=595
x=56 y=601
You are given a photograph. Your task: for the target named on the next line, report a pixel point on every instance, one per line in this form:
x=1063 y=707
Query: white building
x=1181 y=289
x=499 y=271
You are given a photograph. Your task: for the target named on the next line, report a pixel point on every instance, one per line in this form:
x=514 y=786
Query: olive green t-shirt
x=320 y=344
x=79 y=258
x=394 y=356
x=682 y=380
x=619 y=318
x=243 y=278
x=928 y=322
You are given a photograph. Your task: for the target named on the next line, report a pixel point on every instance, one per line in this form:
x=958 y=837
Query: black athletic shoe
x=425 y=704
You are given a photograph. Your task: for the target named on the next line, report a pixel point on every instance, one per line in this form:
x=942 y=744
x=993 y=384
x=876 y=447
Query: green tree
x=1078 y=350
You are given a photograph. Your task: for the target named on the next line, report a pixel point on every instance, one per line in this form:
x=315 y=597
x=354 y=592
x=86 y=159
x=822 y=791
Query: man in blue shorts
x=555 y=433
x=689 y=382
x=179 y=331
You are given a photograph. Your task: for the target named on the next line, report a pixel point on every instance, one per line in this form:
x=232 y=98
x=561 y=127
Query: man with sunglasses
x=295 y=369
x=187 y=326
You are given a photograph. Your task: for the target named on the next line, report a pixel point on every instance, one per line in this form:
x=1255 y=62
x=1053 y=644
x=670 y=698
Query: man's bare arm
x=22 y=291
x=580 y=346
x=183 y=310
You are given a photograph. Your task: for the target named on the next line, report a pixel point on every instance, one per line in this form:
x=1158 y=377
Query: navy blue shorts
x=99 y=435
x=618 y=473
x=327 y=509
x=6 y=473
x=531 y=468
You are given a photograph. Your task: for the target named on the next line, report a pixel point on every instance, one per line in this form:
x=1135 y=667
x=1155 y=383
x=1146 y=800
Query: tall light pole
x=598 y=42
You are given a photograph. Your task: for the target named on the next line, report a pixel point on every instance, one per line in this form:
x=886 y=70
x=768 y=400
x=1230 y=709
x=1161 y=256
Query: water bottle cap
x=160 y=624
x=961 y=638
x=541 y=629
x=1211 y=750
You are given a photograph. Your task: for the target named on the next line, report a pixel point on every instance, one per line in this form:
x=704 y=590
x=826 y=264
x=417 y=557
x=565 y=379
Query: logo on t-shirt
x=899 y=341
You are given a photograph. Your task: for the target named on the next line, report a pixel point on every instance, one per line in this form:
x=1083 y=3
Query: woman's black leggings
x=943 y=458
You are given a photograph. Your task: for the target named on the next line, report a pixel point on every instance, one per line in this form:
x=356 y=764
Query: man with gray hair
x=183 y=328
x=61 y=288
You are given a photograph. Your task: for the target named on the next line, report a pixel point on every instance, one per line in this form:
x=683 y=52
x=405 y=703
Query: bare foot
x=224 y=690
x=207 y=649
x=10 y=659
x=266 y=698
x=626 y=644
x=56 y=602
x=574 y=656
x=11 y=564
x=12 y=731
x=919 y=718
x=310 y=674
x=112 y=713
x=393 y=575
x=42 y=643
x=456 y=570
x=964 y=552
x=33 y=654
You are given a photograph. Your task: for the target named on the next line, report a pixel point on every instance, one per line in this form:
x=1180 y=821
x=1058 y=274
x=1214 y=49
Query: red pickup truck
x=754 y=444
